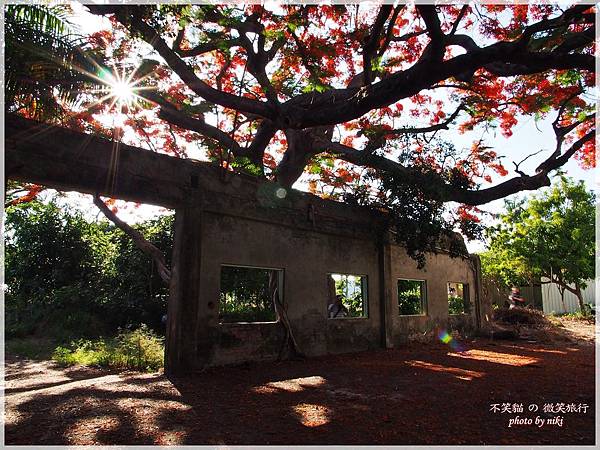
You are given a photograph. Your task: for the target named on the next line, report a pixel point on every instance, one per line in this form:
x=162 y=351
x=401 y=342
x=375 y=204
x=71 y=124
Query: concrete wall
x=438 y=272
x=306 y=257
x=241 y=222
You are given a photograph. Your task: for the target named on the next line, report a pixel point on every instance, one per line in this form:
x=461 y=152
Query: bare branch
x=372 y=41
x=554 y=163
x=138 y=239
x=525 y=159
x=438 y=126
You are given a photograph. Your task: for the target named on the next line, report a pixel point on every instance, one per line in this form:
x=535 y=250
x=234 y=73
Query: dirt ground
x=419 y=394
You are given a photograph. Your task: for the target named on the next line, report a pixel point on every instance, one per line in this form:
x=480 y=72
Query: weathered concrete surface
x=307 y=257
x=243 y=228
x=439 y=271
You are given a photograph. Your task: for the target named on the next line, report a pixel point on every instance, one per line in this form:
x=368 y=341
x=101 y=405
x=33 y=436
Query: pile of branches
x=521 y=316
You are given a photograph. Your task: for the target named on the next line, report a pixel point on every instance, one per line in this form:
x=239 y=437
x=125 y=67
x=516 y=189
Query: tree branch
x=207 y=47
x=138 y=239
x=171 y=114
x=460 y=16
x=435 y=49
x=129 y=17
x=390 y=30
x=257 y=63
x=372 y=41
x=436 y=127
x=435 y=186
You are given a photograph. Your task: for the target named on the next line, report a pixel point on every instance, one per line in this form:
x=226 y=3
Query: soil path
x=419 y=394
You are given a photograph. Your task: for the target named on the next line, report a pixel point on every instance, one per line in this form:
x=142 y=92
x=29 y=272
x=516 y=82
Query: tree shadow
x=414 y=395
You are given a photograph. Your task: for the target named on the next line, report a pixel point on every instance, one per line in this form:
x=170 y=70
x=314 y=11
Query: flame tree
x=360 y=102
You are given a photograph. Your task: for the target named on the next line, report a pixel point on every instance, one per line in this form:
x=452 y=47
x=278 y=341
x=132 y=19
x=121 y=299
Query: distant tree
x=549 y=236
x=73 y=277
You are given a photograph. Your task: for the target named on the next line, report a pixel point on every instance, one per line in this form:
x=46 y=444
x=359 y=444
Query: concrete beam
x=70 y=161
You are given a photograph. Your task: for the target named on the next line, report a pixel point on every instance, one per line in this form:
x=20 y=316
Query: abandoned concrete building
x=310 y=250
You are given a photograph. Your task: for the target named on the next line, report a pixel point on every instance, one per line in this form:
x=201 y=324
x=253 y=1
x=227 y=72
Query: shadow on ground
x=419 y=394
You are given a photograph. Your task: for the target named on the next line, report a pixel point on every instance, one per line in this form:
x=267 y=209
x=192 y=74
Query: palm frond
x=44 y=60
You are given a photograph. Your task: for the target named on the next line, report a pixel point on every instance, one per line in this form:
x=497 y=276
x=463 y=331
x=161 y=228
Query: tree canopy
x=356 y=101
x=551 y=236
x=303 y=70
x=44 y=58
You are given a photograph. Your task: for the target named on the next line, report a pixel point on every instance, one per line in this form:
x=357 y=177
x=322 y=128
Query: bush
x=139 y=349
x=30 y=348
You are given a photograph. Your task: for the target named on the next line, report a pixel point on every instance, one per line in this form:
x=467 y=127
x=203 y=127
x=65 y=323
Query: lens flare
x=120 y=87
x=446 y=338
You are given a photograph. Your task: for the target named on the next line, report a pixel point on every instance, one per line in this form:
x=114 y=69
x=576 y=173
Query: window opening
x=412 y=297
x=347 y=296
x=246 y=296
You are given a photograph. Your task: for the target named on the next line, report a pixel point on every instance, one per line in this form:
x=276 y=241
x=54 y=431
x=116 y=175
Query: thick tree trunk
x=580 y=298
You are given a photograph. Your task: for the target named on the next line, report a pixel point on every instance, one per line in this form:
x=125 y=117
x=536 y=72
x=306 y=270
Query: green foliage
x=245 y=295
x=43 y=60
x=456 y=305
x=140 y=349
x=410 y=297
x=420 y=218
x=587 y=314
x=70 y=278
x=353 y=290
x=30 y=348
x=550 y=235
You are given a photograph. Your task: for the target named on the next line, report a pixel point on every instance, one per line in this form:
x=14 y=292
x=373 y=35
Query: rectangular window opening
x=412 y=297
x=247 y=294
x=347 y=296
x=458 y=298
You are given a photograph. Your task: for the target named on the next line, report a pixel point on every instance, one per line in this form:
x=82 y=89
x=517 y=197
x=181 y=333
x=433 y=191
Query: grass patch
x=139 y=349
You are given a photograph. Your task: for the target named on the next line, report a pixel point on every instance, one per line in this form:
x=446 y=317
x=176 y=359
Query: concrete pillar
x=482 y=312
x=185 y=329
x=386 y=284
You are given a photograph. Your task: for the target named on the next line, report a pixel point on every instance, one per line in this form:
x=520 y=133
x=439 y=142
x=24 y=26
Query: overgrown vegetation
x=70 y=278
x=245 y=295
x=140 y=349
x=30 y=347
x=410 y=297
x=456 y=305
